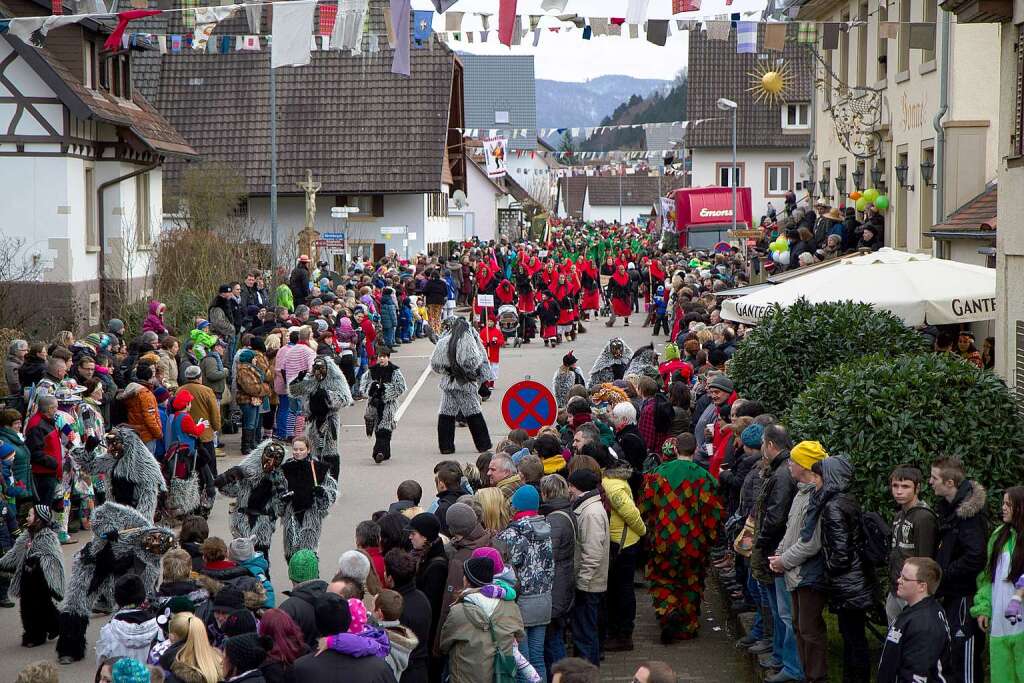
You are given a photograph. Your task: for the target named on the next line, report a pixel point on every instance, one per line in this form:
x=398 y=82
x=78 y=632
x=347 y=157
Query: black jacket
x=278 y=672
x=435 y=292
x=445 y=500
x=298 y=282
x=850 y=585
x=772 y=509
x=917 y=646
x=563 y=550
x=331 y=666
x=750 y=490
x=416 y=616
x=254 y=676
x=631 y=447
x=732 y=479
x=963 y=537
x=431 y=580
x=299 y=606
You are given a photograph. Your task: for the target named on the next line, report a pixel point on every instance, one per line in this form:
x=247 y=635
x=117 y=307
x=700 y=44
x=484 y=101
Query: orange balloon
x=855 y=195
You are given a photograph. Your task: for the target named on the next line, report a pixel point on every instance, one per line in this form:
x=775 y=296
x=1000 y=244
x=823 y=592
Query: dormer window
x=89 y=65
x=115 y=76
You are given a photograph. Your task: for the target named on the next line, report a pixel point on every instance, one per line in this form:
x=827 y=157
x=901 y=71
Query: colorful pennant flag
x=422 y=27
x=506 y=21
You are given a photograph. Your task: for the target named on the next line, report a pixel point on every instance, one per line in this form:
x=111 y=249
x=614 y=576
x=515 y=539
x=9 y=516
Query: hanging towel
x=599 y=25
x=718 y=30
x=775 y=36
x=453 y=21
x=657 y=31
x=830 y=36
x=557 y=6
x=680 y=6
x=400 y=18
x=114 y=39
x=636 y=13
x=348 y=26
x=746 y=37
x=807 y=32
x=291 y=30
x=254 y=16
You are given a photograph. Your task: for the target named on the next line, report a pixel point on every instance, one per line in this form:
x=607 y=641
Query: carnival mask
x=158 y=542
x=272 y=457
x=616 y=349
x=320 y=369
x=115 y=444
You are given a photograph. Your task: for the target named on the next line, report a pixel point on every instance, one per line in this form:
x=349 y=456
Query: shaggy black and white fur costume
x=258 y=486
x=311 y=493
x=323 y=392
x=36 y=568
x=610 y=366
x=125 y=542
x=563 y=382
x=133 y=475
x=644 y=363
x=461 y=360
x=383 y=385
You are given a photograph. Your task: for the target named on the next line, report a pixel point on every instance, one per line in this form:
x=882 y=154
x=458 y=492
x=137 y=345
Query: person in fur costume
x=383 y=384
x=611 y=364
x=324 y=392
x=133 y=475
x=35 y=568
x=312 y=491
x=566 y=377
x=124 y=541
x=257 y=484
x=461 y=361
x=644 y=363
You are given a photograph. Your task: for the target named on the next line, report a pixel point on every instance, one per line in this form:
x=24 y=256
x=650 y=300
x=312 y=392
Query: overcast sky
x=570 y=58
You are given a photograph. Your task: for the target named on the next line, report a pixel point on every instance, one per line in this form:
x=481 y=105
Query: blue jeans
x=554 y=643
x=532 y=648
x=250 y=417
x=281 y=423
x=759 y=598
x=784 y=638
x=584 y=627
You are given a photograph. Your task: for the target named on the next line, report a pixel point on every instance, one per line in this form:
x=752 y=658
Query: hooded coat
x=560 y=516
x=963 y=533
x=530 y=555
x=848 y=581
x=461 y=550
x=466 y=636
x=300 y=607
x=403 y=642
x=129 y=633
x=142 y=414
x=153 y=321
x=608 y=368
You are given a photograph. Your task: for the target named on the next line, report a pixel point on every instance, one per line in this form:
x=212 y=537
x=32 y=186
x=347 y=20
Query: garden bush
x=790 y=346
x=883 y=411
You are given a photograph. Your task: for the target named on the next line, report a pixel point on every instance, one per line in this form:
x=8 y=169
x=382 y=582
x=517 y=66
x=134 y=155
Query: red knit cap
x=181 y=400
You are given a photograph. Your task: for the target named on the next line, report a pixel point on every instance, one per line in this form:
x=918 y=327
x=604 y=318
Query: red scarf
x=621 y=279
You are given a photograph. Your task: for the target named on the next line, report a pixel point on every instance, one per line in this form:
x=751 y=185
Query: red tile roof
x=977 y=214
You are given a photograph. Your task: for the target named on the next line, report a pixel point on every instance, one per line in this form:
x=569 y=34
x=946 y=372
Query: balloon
x=784 y=258
x=855 y=195
x=882 y=203
x=870 y=194
x=862 y=203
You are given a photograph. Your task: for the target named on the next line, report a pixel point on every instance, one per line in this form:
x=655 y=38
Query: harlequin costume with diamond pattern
x=681 y=509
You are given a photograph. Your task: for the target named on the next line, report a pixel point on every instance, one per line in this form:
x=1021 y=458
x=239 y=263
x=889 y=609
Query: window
x=115 y=76
x=437 y=205
x=369 y=205
x=104 y=73
x=882 y=71
x=126 y=77
x=1017 y=137
x=723 y=174
x=94 y=309
x=89 y=64
x=796 y=116
x=92 y=237
x=778 y=179
x=844 y=53
x=904 y=40
x=862 y=45
x=143 y=228
x=931 y=10
x=900 y=238
x=501 y=117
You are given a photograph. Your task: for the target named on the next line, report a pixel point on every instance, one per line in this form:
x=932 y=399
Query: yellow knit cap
x=806 y=453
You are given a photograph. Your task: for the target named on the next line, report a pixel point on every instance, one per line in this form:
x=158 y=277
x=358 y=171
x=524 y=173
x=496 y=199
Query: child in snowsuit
x=405 y=321
x=660 y=310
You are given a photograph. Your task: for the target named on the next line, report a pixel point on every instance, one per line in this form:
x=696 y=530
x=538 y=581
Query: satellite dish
x=459 y=198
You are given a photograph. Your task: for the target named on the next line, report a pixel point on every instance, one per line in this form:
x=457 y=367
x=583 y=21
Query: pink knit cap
x=493 y=555
x=358 y=611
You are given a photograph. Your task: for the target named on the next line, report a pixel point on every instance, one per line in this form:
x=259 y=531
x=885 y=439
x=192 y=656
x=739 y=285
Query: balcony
x=979 y=11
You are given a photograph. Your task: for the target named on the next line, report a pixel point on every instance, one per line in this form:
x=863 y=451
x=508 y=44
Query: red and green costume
x=681 y=509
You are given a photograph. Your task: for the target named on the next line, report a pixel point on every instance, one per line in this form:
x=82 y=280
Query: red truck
x=704 y=214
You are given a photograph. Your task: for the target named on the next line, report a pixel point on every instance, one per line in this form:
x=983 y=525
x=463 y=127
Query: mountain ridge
x=574 y=104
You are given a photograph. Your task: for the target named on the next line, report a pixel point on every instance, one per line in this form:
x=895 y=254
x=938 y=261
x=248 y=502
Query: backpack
x=877 y=539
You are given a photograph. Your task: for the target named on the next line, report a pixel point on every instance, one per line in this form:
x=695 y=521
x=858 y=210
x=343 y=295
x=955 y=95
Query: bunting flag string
x=574 y=131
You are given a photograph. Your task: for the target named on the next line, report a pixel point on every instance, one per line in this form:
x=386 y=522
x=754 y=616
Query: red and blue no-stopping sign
x=528 y=405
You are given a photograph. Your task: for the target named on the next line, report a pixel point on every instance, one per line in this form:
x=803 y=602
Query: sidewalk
x=711 y=657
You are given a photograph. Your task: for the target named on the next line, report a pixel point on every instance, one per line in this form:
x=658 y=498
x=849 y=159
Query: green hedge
x=883 y=410
x=790 y=346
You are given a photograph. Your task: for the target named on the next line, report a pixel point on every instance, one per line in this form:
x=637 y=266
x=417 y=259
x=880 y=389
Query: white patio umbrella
x=917 y=288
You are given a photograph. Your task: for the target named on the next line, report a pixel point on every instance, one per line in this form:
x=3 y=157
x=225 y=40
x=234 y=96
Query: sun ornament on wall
x=770 y=81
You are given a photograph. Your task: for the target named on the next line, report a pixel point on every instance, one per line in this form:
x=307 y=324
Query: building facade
x=928 y=130
x=772 y=137
x=81 y=178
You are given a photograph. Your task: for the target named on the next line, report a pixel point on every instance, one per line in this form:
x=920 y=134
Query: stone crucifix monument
x=308 y=235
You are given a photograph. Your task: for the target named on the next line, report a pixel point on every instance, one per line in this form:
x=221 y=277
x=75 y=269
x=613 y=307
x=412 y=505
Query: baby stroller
x=508 y=323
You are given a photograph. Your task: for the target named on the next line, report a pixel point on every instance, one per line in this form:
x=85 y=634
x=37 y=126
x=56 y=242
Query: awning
x=917 y=288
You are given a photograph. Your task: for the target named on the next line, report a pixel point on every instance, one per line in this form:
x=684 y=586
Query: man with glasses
x=917 y=645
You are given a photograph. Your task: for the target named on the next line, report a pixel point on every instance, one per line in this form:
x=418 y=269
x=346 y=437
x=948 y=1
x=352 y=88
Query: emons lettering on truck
x=714 y=213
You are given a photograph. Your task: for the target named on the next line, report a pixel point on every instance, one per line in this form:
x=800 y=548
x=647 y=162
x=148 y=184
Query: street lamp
x=729 y=105
x=901 y=176
x=823 y=187
x=858 y=178
x=927 y=168
x=876 y=173
x=841 y=185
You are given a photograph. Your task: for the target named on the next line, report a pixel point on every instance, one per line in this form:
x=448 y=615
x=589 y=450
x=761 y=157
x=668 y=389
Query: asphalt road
x=365 y=486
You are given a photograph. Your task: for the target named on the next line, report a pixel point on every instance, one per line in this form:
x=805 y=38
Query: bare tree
x=17 y=267
x=210 y=196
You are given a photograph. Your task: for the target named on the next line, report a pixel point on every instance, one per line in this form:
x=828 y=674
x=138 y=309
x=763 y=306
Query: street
x=366 y=487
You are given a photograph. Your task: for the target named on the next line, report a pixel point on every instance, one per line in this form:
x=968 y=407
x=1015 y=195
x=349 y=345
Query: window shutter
x=378 y=206
x=1017 y=142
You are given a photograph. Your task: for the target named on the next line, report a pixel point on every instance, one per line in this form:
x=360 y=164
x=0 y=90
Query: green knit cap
x=304 y=566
